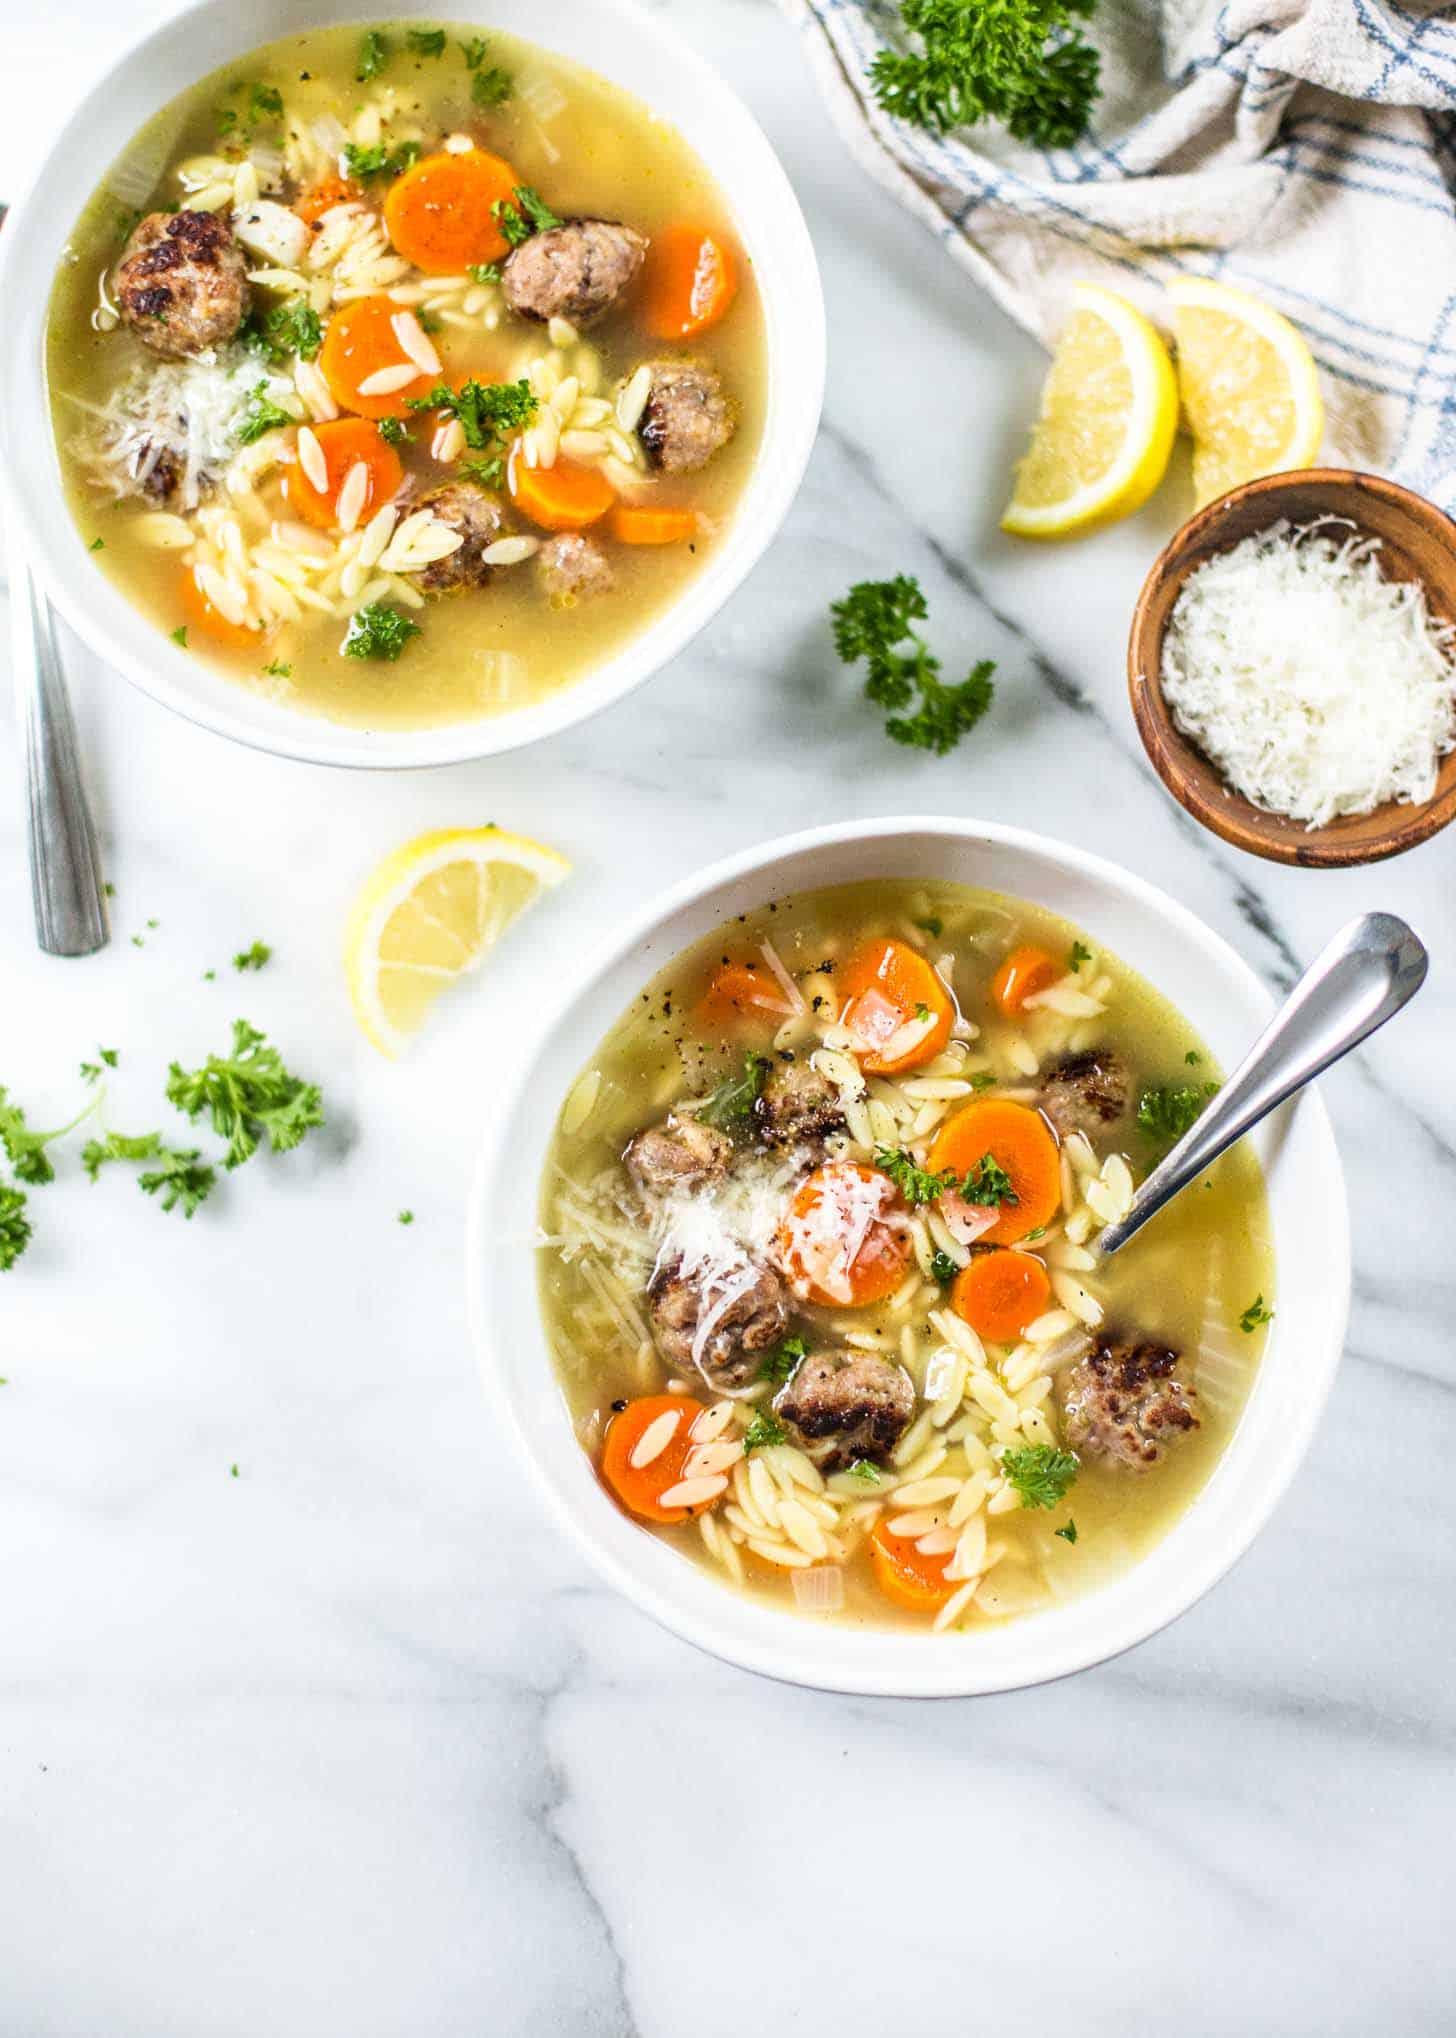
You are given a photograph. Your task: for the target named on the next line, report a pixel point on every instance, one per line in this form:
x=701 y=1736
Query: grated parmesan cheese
x=1316 y=685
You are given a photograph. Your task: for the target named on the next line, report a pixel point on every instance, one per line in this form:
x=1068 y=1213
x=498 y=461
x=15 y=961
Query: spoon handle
x=1365 y=975
x=65 y=865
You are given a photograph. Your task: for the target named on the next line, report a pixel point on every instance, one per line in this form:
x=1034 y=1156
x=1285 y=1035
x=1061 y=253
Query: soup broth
x=189 y=472
x=833 y=1187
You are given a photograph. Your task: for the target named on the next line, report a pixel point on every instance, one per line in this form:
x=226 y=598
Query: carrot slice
x=742 y=993
x=1019 y=1140
x=346 y=443
x=1025 y=971
x=560 y=498
x=359 y=341
x=889 y=987
x=689 y=280
x=438 y=214
x=652 y=526
x=200 y=611
x=639 y=1487
x=325 y=195
x=1000 y=1293
x=904 y=1574
x=829 y=1212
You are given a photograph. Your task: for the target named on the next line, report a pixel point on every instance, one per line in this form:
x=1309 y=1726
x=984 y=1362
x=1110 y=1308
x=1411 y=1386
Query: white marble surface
x=353 y=1743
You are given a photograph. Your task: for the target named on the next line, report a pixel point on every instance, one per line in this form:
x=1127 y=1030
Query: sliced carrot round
x=1000 y=1293
x=889 y=987
x=836 y=1244
x=438 y=214
x=906 y=1575
x=634 y=526
x=560 y=498
x=689 y=280
x=640 y=1486
x=1019 y=1140
x=741 y=993
x=1025 y=971
x=346 y=443
x=359 y=342
x=202 y=615
x=324 y=196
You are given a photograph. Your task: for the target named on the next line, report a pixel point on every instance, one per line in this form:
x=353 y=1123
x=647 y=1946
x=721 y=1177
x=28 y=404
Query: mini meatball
x=681 y=1153
x=841 y=1406
x=158 y=472
x=798 y=1107
x=687 y=417
x=1086 y=1092
x=573 y=569
x=1125 y=1402
x=574 y=271
x=749 y=1308
x=182 y=282
x=477 y=517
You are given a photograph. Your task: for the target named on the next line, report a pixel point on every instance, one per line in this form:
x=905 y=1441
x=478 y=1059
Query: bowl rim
x=109 y=624
x=788 y=1655
x=1321 y=848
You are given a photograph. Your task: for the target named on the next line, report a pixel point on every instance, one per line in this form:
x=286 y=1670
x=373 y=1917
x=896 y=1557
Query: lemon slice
x=429 y=914
x=1248 y=383
x=1109 y=410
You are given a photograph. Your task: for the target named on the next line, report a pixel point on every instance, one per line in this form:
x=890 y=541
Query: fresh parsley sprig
x=764 y=1431
x=523 y=214
x=1165 y=1113
x=1022 y=62
x=378 y=630
x=248 y=1095
x=782 y=1362
x=988 y=1183
x=1041 y=1474
x=730 y=1107
x=872 y=622
x=916 y=1184
x=182 y=1180
x=15 y=1226
x=260 y=414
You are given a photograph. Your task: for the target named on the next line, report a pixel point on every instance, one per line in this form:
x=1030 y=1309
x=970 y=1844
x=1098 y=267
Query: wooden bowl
x=1417 y=542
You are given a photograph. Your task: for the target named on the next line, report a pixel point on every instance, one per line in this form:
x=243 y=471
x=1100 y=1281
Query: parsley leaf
x=91 y=1070
x=914 y=1183
x=265 y=102
x=730 y=1107
x=260 y=414
x=426 y=42
x=15 y=1227
x=942 y=1268
x=988 y=1183
x=1069 y=1533
x=286 y=330
x=277 y=668
x=97 y=545
x=484 y=272
x=378 y=159
x=374 y=54
x=1022 y=62
x=764 y=1430
x=255 y=957
x=1040 y=1473
x=1166 y=1113
x=779 y=1366
x=27 y=1149
x=182 y=1178
x=1254 y=1315
x=876 y=616
x=405 y=1217
x=393 y=431
x=489 y=473
x=982 y=1080
x=179 y=636
x=1079 y=955
x=378 y=631
x=529 y=214
x=488 y=413
x=863 y=1469
x=248 y=1095
x=933 y=925
x=489 y=84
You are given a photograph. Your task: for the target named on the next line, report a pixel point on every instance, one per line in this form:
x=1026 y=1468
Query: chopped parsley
x=425 y=42
x=378 y=631
x=915 y=1184
x=1024 y=63
x=764 y=1430
x=405 y=1217
x=988 y=1183
x=489 y=473
x=488 y=413
x=1080 y=954
x=982 y=1080
x=730 y=1107
x=1068 y=1534
x=97 y=545
x=393 y=431
x=25 y=1148
x=179 y=636
x=15 y=1227
x=286 y=330
x=374 y=54
x=942 y=1268
x=182 y=1180
x=1166 y=1113
x=874 y=619
x=779 y=1366
x=256 y=957
x=249 y=1096
x=523 y=214
x=489 y=84
x=378 y=159
x=277 y=668
x=1193 y=1057
x=1041 y=1474
x=933 y=925
x=863 y=1469
x=106 y=1057
x=260 y=414
x=484 y=272
x=1254 y=1315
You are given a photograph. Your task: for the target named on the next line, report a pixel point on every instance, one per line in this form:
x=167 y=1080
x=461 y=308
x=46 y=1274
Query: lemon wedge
x=429 y=914
x=1248 y=383
x=1109 y=410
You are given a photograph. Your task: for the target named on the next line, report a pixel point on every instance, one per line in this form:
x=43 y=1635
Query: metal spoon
x=1370 y=969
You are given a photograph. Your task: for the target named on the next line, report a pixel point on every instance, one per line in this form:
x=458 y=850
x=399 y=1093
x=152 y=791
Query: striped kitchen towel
x=1303 y=149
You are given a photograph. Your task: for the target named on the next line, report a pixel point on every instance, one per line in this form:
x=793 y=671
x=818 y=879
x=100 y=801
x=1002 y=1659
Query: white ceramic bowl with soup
x=1301 y=1221
x=611 y=48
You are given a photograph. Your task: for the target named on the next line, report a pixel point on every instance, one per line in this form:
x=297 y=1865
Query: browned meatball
x=798 y=1107
x=1125 y=1402
x=749 y=1308
x=182 y=283
x=681 y=1153
x=477 y=517
x=846 y=1405
x=573 y=569
x=158 y=471
x=574 y=271
x=1086 y=1093
x=687 y=417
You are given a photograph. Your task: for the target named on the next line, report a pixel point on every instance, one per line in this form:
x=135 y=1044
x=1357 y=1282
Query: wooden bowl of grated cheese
x=1292 y=667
